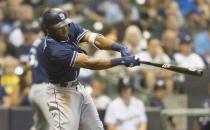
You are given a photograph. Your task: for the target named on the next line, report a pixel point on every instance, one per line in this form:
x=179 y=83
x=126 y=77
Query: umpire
x=69 y=104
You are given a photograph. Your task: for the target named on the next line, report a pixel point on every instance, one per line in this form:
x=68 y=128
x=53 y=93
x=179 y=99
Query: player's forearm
x=83 y=61
x=94 y=64
x=102 y=42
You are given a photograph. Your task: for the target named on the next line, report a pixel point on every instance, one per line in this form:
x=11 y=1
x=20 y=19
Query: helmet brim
x=62 y=23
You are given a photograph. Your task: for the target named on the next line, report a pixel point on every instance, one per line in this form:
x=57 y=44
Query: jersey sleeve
x=64 y=57
x=77 y=31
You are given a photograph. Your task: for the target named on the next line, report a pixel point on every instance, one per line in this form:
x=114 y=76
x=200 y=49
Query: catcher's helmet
x=55 y=17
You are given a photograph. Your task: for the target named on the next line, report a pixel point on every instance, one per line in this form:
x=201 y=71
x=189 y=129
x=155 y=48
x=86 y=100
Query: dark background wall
x=197 y=92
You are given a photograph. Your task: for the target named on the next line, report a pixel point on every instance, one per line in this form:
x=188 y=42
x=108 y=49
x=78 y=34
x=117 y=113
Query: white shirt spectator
x=85 y=73
x=102 y=102
x=193 y=60
x=16 y=37
x=157 y=59
x=145 y=56
x=126 y=117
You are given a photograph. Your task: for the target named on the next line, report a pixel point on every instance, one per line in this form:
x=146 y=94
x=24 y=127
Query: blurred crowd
x=162 y=31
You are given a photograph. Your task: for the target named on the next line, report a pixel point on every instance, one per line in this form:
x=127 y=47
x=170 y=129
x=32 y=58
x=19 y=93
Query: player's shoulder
x=51 y=43
x=51 y=46
x=73 y=25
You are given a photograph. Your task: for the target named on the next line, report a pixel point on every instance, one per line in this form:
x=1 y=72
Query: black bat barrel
x=190 y=71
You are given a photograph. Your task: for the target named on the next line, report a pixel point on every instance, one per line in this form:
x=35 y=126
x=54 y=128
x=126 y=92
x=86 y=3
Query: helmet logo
x=62 y=16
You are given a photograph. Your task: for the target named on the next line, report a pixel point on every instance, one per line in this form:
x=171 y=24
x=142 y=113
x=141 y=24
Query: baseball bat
x=190 y=71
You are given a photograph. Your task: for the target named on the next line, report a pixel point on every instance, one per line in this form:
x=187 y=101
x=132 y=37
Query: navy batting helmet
x=55 y=17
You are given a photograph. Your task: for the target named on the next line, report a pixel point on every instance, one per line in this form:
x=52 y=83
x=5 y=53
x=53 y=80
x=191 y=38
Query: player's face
x=60 y=34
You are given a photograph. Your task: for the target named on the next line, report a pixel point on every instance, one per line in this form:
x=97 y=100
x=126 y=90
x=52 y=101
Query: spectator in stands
x=194 y=22
x=30 y=35
x=173 y=10
x=134 y=40
x=156 y=54
x=25 y=84
x=202 y=5
x=12 y=23
x=26 y=14
x=126 y=112
x=170 y=42
x=110 y=12
x=104 y=11
x=151 y=19
x=100 y=100
x=158 y=95
x=186 y=57
x=122 y=25
x=126 y=5
x=185 y=5
x=202 y=41
x=172 y=23
x=10 y=82
x=3 y=48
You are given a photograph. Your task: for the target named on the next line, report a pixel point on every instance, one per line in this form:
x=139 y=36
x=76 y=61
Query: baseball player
x=38 y=91
x=71 y=107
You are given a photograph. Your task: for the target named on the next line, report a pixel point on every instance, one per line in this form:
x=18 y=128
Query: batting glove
x=122 y=49
x=128 y=61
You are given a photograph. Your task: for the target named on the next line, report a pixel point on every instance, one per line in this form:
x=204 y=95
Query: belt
x=67 y=84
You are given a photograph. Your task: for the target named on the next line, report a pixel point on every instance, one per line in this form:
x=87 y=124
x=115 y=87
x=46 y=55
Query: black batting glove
x=122 y=49
x=125 y=52
x=128 y=61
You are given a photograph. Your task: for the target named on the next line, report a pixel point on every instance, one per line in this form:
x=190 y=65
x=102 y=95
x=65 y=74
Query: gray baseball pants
x=38 y=98
x=72 y=108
